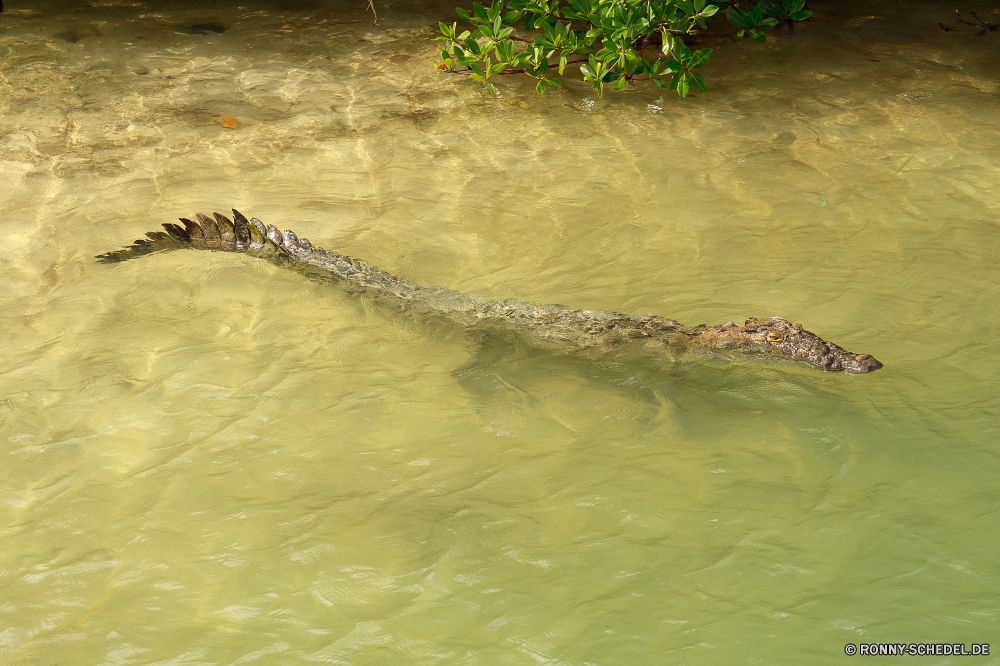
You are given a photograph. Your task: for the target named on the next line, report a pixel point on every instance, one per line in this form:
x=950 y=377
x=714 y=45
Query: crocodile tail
x=237 y=235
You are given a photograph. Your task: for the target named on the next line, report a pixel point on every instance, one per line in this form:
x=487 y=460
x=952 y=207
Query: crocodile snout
x=861 y=363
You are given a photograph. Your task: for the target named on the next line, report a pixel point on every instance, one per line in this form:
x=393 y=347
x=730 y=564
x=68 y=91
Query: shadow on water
x=718 y=398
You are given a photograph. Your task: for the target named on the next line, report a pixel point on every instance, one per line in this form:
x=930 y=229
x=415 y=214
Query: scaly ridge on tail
x=236 y=235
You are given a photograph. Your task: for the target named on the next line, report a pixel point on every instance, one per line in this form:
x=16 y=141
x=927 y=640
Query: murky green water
x=209 y=460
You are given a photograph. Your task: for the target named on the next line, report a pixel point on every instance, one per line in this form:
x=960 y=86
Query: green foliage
x=751 y=21
x=789 y=10
x=611 y=40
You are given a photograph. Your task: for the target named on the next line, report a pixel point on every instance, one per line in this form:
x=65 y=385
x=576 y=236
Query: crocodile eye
x=775 y=338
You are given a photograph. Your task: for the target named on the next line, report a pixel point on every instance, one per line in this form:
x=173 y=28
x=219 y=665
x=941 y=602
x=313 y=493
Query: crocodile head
x=780 y=337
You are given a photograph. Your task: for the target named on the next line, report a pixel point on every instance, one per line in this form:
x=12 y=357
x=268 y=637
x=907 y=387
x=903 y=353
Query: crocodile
x=554 y=327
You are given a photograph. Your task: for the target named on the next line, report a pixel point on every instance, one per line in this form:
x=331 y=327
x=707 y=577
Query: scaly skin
x=591 y=332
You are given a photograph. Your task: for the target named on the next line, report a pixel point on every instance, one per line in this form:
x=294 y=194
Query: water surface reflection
x=210 y=460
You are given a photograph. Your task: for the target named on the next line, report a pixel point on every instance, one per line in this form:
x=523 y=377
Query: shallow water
x=209 y=460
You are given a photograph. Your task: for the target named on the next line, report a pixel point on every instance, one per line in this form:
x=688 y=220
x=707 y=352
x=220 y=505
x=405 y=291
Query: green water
x=208 y=460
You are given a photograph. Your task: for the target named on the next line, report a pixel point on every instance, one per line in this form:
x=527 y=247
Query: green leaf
x=562 y=64
x=757 y=35
x=769 y=23
x=478 y=70
x=757 y=14
x=710 y=10
x=801 y=16
x=464 y=15
x=681 y=50
x=497 y=68
x=735 y=18
x=699 y=58
x=620 y=84
x=660 y=83
x=493 y=13
x=587 y=72
x=540 y=87
x=684 y=85
x=673 y=65
x=512 y=17
x=698 y=81
x=668 y=42
x=493 y=91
